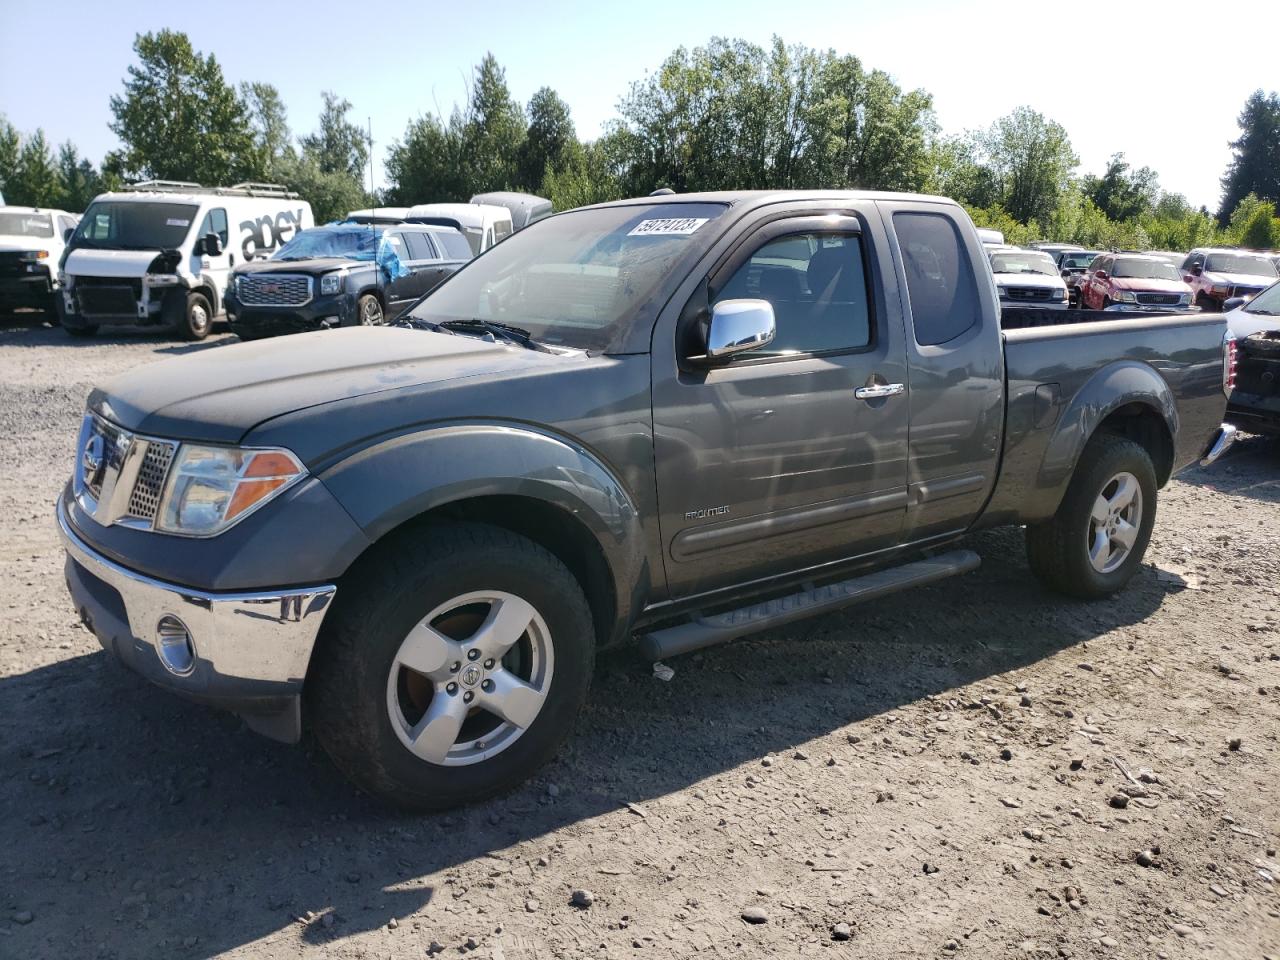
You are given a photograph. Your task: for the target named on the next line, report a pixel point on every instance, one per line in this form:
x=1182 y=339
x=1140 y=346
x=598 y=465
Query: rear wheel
x=454 y=667
x=1094 y=543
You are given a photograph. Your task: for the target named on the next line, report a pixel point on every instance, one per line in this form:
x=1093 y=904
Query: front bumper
x=327 y=310
x=251 y=650
x=1152 y=308
x=32 y=290
x=1035 y=304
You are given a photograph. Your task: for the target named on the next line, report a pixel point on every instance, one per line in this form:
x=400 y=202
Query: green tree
x=331 y=195
x=1262 y=231
x=1255 y=165
x=78 y=181
x=178 y=118
x=1122 y=193
x=269 y=121
x=34 y=182
x=549 y=138
x=585 y=174
x=494 y=130
x=10 y=144
x=1031 y=160
x=339 y=145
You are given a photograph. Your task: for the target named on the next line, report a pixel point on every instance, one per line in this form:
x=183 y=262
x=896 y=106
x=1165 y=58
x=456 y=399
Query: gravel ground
x=977 y=769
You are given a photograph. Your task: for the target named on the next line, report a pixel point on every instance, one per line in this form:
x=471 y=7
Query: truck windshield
x=577 y=279
x=1023 y=263
x=1267 y=303
x=354 y=243
x=25 y=224
x=1240 y=263
x=1077 y=261
x=1145 y=270
x=135 y=225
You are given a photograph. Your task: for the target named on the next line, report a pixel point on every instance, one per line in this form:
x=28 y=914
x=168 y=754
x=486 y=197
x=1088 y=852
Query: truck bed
x=1019 y=318
x=1060 y=377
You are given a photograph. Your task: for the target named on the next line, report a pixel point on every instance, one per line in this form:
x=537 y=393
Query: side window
x=65 y=224
x=420 y=247
x=455 y=245
x=940 y=282
x=818 y=289
x=399 y=245
x=501 y=230
x=215 y=221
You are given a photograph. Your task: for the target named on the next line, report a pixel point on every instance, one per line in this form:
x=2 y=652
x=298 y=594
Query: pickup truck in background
x=1133 y=281
x=1216 y=276
x=691 y=417
x=1072 y=265
x=1254 y=400
x=1027 y=278
x=32 y=240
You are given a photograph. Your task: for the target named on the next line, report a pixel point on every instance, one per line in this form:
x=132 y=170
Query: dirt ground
x=935 y=771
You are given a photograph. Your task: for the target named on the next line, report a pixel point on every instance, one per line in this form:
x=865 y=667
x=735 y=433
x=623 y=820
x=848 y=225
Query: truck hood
x=88 y=262
x=1150 y=285
x=9 y=243
x=1032 y=280
x=312 y=265
x=1237 y=279
x=218 y=395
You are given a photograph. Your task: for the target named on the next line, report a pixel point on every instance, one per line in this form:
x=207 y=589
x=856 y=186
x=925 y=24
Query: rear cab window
x=941 y=287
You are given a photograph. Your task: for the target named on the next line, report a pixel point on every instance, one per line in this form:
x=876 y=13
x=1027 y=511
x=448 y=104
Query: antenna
x=373 y=197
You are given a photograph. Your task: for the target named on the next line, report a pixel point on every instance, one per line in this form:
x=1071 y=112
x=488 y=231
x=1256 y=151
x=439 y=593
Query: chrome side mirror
x=738 y=326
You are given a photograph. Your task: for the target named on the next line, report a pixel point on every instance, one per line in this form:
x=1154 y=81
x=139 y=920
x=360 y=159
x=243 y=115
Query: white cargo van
x=160 y=252
x=482 y=224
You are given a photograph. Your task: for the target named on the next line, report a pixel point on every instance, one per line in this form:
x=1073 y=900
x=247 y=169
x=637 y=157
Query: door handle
x=879 y=390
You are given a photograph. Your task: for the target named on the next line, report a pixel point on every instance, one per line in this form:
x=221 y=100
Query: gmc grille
x=273 y=290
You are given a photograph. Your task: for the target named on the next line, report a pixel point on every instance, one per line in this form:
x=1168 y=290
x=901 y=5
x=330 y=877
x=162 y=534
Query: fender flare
x=398 y=478
x=1114 y=386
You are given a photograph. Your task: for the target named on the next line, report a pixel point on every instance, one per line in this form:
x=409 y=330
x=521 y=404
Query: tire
x=196 y=319
x=363 y=704
x=71 y=323
x=369 y=312
x=1059 y=549
x=1208 y=304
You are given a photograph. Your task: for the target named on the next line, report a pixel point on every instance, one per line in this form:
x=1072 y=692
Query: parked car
x=1053 y=249
x=525 y=208
x=1072 y=265
x=1254 y=400
x=32 y=240
x=990 y=237
x=161 y=253
x=1216 y=275
x=695 y=416
x=483 y=224
x=1028 y=278
x=380 y=215
x=1133 y=281
x=342 y=275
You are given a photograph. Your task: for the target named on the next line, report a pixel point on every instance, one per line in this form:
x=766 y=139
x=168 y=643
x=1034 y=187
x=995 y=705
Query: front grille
x=1160 y=299
x=108 y=296
x=273 y=290
x=1028 y=293
x=11 y=265
x=145 y=498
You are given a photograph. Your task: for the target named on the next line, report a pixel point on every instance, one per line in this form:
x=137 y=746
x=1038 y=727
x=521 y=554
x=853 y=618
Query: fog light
x=174 y=644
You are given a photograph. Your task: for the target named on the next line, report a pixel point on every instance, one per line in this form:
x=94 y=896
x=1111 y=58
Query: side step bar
x=723 y=627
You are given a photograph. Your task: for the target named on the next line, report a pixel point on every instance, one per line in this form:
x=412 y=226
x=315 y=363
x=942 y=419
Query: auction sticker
x=175 y=222
x=670 y=227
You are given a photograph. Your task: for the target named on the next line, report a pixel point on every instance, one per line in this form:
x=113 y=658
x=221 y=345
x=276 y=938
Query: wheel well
x=375 y=292
x=210 y=294
x=551 y=527
x=1147 y=428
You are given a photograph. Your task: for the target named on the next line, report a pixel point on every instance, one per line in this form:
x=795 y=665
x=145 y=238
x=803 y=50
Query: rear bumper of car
x=247 y=651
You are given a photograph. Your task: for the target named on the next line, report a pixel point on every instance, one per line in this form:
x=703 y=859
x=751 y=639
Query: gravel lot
x=979 y=769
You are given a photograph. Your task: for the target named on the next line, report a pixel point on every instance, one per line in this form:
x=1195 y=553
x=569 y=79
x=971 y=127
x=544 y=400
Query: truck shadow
x=39 y=330
x=1250 y=468
x=134 y=821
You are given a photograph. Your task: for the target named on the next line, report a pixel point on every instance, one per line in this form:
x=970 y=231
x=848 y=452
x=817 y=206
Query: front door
x=215 y=267
x=772 y=463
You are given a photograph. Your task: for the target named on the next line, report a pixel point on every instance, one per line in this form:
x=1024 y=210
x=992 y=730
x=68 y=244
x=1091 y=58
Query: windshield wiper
x=501 y=330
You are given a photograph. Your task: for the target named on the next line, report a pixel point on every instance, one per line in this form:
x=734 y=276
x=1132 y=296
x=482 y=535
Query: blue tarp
x=349 y=241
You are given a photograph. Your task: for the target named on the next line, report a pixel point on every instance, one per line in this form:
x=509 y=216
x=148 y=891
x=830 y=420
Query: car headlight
x=31 y=256
x=1184 y=299
x=1125 y=296
x=1059 y=293
x=211 y=488
x=330 y=283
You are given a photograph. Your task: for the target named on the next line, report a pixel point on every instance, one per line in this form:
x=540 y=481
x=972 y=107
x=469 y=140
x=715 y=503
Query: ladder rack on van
x=247 y=189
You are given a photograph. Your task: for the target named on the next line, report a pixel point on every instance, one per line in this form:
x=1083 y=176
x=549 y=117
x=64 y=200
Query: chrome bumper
x=251 y=650
x=1225 y=436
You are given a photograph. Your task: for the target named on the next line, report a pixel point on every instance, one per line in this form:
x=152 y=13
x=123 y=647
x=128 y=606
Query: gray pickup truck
x=688 y=418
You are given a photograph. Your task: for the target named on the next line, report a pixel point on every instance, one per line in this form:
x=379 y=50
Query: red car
x=1133 y=282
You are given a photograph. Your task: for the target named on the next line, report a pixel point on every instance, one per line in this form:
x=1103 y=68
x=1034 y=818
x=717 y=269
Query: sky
x=1162 y=83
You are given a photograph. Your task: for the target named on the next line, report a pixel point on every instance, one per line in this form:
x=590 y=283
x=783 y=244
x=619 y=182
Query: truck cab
x=160 y=253
x=32 y=240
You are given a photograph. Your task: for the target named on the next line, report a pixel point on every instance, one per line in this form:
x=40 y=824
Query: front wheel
x=1093 y=545
x=369 y=311
x=453 y=667
x=197 y=318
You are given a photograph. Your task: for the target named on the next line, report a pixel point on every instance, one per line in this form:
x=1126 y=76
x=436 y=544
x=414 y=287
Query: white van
x=482 y=224
x=160 y=252
x=31 y=243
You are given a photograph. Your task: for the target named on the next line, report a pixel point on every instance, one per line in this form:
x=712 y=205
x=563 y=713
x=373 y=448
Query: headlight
x=1125 y=296
x=210 y=488
x=31 y=256
x=330 y=283
x=1059 y=293
x=1184 y=299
